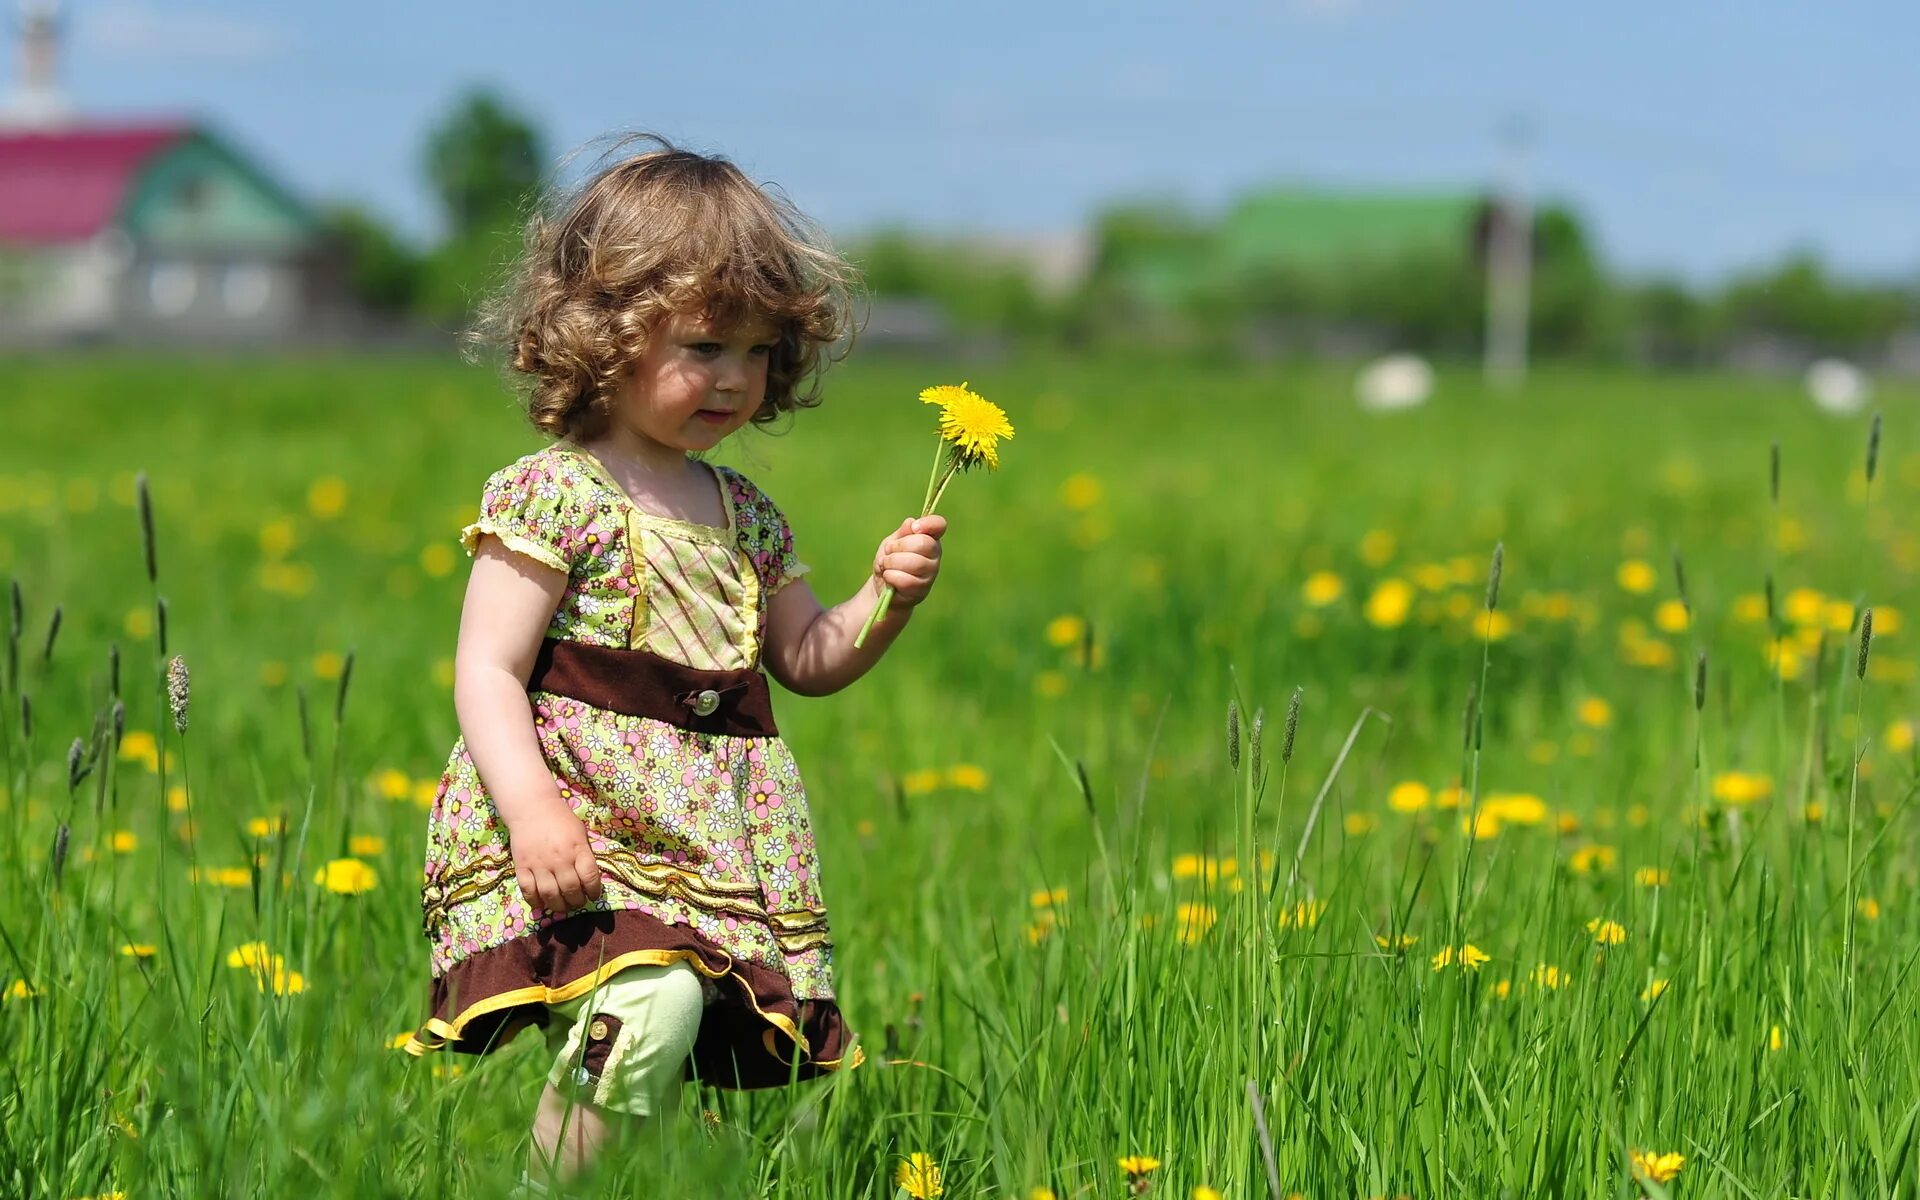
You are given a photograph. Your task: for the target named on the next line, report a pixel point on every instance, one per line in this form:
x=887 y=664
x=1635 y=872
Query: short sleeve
x=765 y=536
x=530 y=508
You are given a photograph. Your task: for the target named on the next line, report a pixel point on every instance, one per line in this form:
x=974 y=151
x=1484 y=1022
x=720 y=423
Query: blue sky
x=1697 y=138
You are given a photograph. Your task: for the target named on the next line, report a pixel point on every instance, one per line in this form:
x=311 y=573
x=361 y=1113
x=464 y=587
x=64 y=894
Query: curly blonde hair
x=654 y=234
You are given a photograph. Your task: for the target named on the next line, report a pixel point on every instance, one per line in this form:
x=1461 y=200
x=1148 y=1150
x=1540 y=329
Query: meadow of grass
x=1526 y=902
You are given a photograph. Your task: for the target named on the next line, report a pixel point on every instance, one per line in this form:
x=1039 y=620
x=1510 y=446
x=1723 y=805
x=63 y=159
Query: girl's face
x=696 y=384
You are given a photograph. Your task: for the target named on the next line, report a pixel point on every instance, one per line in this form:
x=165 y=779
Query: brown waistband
x=640 y=683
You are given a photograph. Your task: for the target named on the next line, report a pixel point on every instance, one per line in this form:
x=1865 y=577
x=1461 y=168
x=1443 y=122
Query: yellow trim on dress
x=470 y=540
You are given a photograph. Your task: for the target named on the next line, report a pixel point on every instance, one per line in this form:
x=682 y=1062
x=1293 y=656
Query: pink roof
x=64 y=185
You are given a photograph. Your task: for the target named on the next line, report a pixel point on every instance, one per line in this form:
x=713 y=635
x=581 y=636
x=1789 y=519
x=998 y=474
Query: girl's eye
x=707 y=347
x=763 y=350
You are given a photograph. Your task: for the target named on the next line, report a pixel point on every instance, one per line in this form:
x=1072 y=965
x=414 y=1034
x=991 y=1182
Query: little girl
x=619 y=850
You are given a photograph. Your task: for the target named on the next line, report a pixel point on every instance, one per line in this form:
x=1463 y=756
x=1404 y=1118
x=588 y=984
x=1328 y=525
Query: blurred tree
x=483 y=160
x=383 y=272
x=1799 y=301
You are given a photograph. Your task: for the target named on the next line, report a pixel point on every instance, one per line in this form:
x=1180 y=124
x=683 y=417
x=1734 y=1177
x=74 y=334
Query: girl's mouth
x=714 y=416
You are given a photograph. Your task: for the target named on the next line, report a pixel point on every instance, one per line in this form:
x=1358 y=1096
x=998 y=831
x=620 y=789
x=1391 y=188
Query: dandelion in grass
x=1591 y=858
x=1653 y=990
x=136 y=950
x=1203 y=1192
x=1397 y=943
x=1595 y=713
x=1359 y=824
x=1322 y=588
x=1653 y=877
x=346 y=877
x=1869 y=908
x=1049 y=897
x=1636 y=576
x=919 y=1176
x=1548 y=976
x=1136 y=1165
x=1741 y=787
x=1388 y=606
x=249 y=954
x=1042 y=1193
x=967 y=777
x=1467 y=957
x=1776 y=1040
x=1194 y=921
x=1409 y=796
x=1661 y=1168
x=1064 y=631
x=19 y=989
x=1304 y=915
x=1606 y=932
x=971 y=428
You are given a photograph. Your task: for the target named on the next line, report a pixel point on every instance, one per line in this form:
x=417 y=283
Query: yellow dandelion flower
x=1396 y=942
x=919 y=783
x=124 y=842
x=1636 y=576
x=265 y=827
x=1900 y=734
x=19 y=989
x=1590 y=858
x=1776 y=1039
x=366 y=845
x=1194 y=921
x=1409 y=796
x=1654 y=990
x=1322 y=588
x=1671 y=617
x=1468 y=956
x=1203 y=1192
x=1595 y=713
x=425 y=792
x=274 y=977
x=1042 y=1193
x=1066 y=630
x=1389 y=604
x=1049 y=897
x=1136 y=1165
x=967 y=777
x=1741 y=787
x=1607 y=933
x=249 y=954
x=1492 y=626
x=1483 y=825
x=1547 y=975
x=1652 y=877
x=1516 y=808
x=346 y=876
x=973 y=424
x=1359 y=824
x=1503 y=989
x=327 y=497
x=919 y=1176
x=1304 y=915
x=137 y=950
x=1050 y=684
x=1869 y=908
x=1661 y=1168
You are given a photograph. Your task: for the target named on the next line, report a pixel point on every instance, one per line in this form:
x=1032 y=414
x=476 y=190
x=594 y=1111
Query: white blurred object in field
x=1837 y=386
x=1394 y=382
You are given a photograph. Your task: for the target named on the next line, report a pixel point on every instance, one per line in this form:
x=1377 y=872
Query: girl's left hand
x=909 y=558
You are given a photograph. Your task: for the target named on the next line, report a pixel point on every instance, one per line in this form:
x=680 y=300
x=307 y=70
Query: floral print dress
x=703 y=839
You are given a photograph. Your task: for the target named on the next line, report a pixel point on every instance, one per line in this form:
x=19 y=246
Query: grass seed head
x=113 y=669
x=53 y=635
x=119 y=723
x=1292 y=727
x=1866 y=643
x=340 y=697
x=1700 y=682
x=1493 y=575
x=179 y=691
x=61 y=836
x=75 y=753
x=1253 y=738
x=1086 y=785
x=146 y=526
x=1680 y=581
x=1773 y=474
x=160 y=621
x=1469 y=717
x=1873 y=447
x=1773 y=619
x=1233 y=734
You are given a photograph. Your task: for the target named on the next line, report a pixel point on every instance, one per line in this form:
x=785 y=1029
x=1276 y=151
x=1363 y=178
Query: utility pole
x=1509 y=264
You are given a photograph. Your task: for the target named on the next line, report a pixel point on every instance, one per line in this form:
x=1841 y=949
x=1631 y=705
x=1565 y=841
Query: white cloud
x=128 y=29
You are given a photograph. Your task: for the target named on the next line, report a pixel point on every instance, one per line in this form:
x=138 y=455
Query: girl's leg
x=621 y=1051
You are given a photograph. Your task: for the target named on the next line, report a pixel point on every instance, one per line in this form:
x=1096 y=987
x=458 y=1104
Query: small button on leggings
x=624 y=1045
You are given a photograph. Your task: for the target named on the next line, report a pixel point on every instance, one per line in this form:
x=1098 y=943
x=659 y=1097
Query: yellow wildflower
x=919 y=1176
x=1377 y=547
x=124 y=842
x=1654 y=990
x=1741 y=787
x=967 y=777
x=1869 y=908
x=1671 y=617
x=1397 y=942
x=973 y=424
x=1547 y=976
x=1304 y=915
x=137 y=950
x=1652 y=877
x=327 y=497
x=366 y=845
x=1044 y=899
x=1518 y=808
x=1203 y=1192
x=1661 y=1168
x=1776 y=1039
x=264 y=827
x=346 y=876
x=19 y=989
x=1194 y=921
x=1492 y=626
x=1636 y=576
x=1066 y=630
x=1469 y=956
x=1081 y=491
x=1389 y=604
x=1359 y=824
x=1595 y=713
x=1136 y=1165
x=1590 y=858
x=1409 y=796
x=1607 y=933
x=1322 y=588
x=249 y=954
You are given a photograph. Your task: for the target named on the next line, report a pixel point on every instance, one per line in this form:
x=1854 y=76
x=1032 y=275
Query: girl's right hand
x=553 y=862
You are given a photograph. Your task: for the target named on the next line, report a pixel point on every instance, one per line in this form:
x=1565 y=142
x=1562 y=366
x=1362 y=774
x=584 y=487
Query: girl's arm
x=510 y=601
x=809 y=649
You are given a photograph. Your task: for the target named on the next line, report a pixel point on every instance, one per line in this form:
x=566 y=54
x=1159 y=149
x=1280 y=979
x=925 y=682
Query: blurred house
x=146 y=231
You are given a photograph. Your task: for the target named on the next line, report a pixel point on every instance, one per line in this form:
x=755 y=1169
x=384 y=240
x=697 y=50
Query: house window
x=170 y=288
x=246 y=288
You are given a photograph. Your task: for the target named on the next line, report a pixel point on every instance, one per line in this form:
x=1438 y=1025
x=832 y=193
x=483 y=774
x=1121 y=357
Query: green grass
x=1032 y=1050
